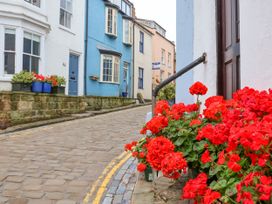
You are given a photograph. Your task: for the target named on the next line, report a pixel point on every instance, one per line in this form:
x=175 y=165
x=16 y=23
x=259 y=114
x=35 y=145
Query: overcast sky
x=162 y=11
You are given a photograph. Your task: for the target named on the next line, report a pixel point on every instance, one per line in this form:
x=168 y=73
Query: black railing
x=198 y=61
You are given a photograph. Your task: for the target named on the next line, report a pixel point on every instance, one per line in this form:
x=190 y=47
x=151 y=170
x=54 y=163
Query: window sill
x=107 y=82
x=127 y=44
x=68 y=30
x=111 y=35
x=6 y=78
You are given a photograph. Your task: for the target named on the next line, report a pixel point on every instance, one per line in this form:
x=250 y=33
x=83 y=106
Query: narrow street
x=58 y=164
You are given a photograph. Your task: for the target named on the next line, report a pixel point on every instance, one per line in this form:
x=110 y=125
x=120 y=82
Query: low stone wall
x=22 y=107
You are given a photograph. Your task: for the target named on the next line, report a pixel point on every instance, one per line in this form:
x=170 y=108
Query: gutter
x=86 y=46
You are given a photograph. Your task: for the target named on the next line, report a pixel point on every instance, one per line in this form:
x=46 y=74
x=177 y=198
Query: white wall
x=61 y=41
x=144 y=61
x=256 y=43
x=205 y=41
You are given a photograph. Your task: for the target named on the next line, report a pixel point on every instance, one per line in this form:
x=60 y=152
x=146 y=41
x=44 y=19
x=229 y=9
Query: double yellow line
x=106 y=175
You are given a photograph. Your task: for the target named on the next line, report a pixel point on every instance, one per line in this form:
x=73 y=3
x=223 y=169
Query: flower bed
x=229 y=145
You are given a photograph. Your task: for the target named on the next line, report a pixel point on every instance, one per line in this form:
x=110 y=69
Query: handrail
x=155 y=92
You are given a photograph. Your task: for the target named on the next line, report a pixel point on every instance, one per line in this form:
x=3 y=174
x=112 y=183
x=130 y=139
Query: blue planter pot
x=37 y=87
x=124 y=94
x=47 y=88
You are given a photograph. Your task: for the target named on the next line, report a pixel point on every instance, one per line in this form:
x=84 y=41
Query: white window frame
x=67 y=14
x=169 y=60
x=127 y=32
x=33 y=3
x=31 y=54
x=115 y=66
x=9 y=51
x=113 y=21
x=163 y=56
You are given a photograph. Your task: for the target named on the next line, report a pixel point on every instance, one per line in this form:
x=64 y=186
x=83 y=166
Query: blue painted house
x=109 y=57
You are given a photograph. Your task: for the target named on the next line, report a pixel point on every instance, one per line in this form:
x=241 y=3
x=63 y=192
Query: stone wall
x=22 y=107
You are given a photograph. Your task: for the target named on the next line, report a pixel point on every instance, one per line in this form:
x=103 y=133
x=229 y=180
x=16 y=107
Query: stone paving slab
x=57 y=164
x=120 y=189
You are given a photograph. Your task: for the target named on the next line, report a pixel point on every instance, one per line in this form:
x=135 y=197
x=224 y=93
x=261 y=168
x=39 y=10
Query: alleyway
x=60 y=163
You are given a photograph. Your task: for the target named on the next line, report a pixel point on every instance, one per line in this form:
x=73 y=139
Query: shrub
x=23 y=77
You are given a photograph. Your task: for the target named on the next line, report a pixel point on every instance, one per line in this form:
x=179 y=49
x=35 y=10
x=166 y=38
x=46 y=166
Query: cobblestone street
x=58 y=164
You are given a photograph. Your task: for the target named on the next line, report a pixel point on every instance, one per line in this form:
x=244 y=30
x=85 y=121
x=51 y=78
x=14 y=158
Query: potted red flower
x=37 y=84
x=58 y=85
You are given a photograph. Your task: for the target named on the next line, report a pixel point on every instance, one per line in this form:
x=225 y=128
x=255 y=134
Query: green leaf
x=180 y=141
x=193 y=156
x=199 y=146
x=215 y=170
x=220 y=185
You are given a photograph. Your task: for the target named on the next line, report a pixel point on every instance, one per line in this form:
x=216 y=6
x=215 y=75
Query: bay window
x=9 y=51
x=31 y=52
x=66 y=13
x=127 y=32
x=111 y=21
x=34 y=2
x=110 y=68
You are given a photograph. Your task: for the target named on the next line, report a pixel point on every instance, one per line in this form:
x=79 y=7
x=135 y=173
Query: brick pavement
x=57 y=164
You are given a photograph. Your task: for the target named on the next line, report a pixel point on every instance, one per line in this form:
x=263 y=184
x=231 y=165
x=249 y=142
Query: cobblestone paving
x=121 y=187
x=57 y=164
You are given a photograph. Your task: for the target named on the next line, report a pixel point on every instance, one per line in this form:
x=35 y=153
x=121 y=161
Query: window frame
x=31 y=55
x=114 y=21
x=66 y=13
x=127 y=32
x=141 y=42
x=141 y=78
x=32 y=2
x=169 y=60
x=9 y=51
x=163 y=56
x=115 y=69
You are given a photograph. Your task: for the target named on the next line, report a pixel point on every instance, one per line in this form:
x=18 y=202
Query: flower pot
x=58 y=90
x=37 y=87
x=26 y=87
x=148 y=174
x=46 y=87
x=124 y=94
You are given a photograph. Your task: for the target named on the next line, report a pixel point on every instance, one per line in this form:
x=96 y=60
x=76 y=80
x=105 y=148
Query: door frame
x=219 y=47
x=221 y=80
x=78 y=56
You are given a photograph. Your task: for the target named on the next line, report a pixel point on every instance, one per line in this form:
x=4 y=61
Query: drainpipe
x=86 y=46
x=133 y=56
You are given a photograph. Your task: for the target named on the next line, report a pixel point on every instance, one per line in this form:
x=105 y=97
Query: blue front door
x=73 y=75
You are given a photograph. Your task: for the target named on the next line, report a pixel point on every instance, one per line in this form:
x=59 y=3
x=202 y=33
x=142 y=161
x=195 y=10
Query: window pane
x=9 y=41
x=116 y=70
x=26 y=63
x=69 y=5
x=37 y=3
x=27 y=45
x=9 y=63
x=36 y=48
x=62 y=17
x=68 y=19
x=109 y=20
x=107 y=69
x=35 y=64
x=63 y=4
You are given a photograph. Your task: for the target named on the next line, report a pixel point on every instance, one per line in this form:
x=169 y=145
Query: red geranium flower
x=205 y=158
x=141 y=167
x=198 y=89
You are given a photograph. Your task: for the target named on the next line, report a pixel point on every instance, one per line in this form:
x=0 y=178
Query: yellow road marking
x=108 y=167
x=104 y=184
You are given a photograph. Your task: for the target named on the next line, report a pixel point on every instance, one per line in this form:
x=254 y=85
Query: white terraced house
x=42 y=36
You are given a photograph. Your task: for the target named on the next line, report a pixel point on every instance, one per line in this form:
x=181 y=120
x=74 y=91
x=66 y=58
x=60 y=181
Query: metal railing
x=155 y=92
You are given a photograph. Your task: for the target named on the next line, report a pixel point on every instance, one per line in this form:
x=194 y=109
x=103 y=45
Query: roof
x=141 y=19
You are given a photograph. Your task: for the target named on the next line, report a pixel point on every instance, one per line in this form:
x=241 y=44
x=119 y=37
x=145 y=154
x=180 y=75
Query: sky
x=162 y=11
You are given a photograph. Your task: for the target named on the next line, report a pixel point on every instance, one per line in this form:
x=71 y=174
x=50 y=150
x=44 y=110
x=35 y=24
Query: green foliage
x=61 y=81
x=23 y=77
x=168 y=92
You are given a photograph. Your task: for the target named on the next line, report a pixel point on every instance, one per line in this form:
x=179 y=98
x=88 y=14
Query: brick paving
x=57 y=164
x=120 y=189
